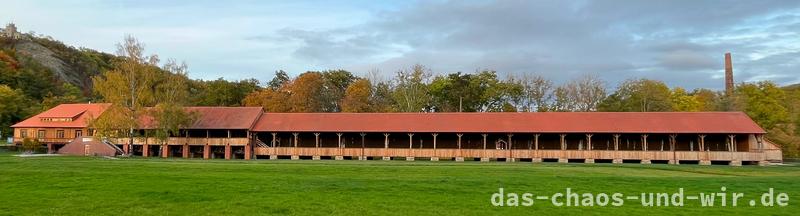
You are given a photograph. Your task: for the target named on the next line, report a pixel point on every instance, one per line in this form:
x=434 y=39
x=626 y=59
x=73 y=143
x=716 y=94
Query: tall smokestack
x=728 y=75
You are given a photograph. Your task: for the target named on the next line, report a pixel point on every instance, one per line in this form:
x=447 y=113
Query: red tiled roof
x=80 y=113
x=219 y=117
x=544 y=122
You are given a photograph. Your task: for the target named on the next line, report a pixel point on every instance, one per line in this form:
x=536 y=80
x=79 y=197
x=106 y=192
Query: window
x=91 y=132
x=23 y=133
x=60 y=134
x=41 y=134
x=78 y=133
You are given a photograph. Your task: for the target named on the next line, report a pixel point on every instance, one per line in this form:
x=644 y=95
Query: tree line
x=140 y=85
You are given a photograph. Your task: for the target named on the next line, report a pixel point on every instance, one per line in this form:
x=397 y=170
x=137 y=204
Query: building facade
x=247 y=133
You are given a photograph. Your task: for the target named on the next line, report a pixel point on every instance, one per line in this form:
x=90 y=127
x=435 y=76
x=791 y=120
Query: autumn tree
x=271 y=100
x=136 y=82
x=411 y=89
x=306 y=93
x=357 y=97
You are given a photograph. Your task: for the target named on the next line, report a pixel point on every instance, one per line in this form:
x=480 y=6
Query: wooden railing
x=184 y=140
x=519 y=153
x=46 y=140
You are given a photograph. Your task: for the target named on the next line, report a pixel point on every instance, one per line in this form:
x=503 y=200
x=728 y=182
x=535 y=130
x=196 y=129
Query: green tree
x=13 y=108
x=221 y=92
x=336 y=83
x=537 y=93
x=683 y=102
x=381 y=99
x=280 y=79
x=69 y=94
x=411 y=89
x=762 y=101
x=642 y=95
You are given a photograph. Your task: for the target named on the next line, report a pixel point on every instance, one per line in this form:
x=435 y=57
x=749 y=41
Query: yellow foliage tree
x=357 y=97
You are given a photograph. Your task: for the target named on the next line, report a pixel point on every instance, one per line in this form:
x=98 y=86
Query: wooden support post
x=185 y=150
x=274 y=139
x=50 y=148
x=145 y=150
x=646 y=159
x=510 y=157
x=703 y=154
x=702 y=142
x=485 y=157
x=590 y=158
x=589 y=141
x=434 y=157
x=410 y=140
x=644 y=142
x=248 y=154
x=760 y=142
x=617 y=159
x=165 y=150
x=562 y=158
x=732 y=148
x=340 y=145
x=126 y=148
x=206 y=151
x=316 y=140
x=672 y=141
x=362 y=157
x=316 y=147
x=536 y=158
x=460 y=156
x=410 y=155
x=386 y=147
x=227 y=151
x=295 y=154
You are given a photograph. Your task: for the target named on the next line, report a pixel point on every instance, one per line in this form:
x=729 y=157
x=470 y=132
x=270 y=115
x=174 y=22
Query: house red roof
x=544 y=122
x=218 y=117
x=79 y=113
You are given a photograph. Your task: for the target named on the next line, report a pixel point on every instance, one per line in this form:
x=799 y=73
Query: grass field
x=97 y=186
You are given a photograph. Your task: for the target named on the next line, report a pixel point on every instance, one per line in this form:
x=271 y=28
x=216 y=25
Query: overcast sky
x=681 y=42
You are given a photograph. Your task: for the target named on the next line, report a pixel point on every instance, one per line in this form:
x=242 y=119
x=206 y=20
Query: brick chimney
x=728 y=75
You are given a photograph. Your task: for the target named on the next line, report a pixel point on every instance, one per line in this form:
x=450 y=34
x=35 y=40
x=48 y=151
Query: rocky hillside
x=69 y=64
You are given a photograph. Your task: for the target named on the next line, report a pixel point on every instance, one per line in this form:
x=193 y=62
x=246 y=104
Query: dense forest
x=28 y=86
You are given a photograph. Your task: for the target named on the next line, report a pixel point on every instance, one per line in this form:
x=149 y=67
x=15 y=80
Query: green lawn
x=80 y=186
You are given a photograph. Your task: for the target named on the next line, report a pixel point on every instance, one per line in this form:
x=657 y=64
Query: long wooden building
x=248 y=133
